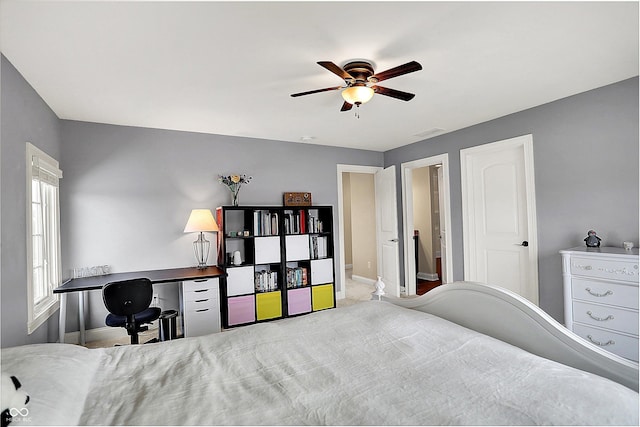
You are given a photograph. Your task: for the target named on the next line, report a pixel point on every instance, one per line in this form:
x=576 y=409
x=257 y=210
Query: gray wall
x=128 y=192
x=586 y=174
x=25 y=118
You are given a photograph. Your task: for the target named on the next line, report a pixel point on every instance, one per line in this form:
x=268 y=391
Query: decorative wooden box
x=296 y=199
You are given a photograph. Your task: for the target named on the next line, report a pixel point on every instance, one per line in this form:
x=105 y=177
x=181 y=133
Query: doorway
x=357 y=267
x=427 y=221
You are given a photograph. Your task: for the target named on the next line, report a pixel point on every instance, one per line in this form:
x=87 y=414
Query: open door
x=444 y=229
x=387 y=230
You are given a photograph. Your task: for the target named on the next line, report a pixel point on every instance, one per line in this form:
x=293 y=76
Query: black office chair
x=128 y=303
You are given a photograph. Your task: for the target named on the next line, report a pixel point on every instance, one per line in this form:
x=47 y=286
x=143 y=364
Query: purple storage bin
x=299 y=301
x=241 y=310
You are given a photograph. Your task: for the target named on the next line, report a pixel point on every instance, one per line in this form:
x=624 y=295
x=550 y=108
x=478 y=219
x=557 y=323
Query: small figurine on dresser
x=592 y=240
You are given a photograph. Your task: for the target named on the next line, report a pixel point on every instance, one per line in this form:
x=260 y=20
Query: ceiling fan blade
x=316 y=91
x=398 y=94
x=346 y=106
x=336 y=70
x=407 y=68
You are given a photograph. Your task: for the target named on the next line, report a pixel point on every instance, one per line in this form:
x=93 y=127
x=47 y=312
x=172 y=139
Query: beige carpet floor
x=355 y=292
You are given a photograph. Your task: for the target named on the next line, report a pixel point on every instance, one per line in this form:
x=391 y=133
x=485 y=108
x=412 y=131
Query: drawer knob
x=610 y=342
x=597 y=294
x=600 y=319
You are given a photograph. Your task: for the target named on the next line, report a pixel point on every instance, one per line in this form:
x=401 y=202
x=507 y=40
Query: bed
x=390 y=362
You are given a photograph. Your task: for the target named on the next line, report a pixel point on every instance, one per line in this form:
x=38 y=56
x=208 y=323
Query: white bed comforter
x=372 y=363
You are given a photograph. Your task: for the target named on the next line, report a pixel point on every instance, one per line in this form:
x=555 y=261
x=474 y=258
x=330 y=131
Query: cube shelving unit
x=287 y=266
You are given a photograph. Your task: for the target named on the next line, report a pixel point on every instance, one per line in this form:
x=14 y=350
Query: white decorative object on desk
x=379 y=289
x=601 y=297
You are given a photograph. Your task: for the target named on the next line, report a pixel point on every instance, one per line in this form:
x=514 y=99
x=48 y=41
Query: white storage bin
x=267 y=250
x=321 y=271
x=297 y=247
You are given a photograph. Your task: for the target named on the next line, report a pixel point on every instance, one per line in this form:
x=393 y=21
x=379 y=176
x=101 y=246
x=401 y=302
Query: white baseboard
x=100 y=334
x=363 y=279
x=432 y=277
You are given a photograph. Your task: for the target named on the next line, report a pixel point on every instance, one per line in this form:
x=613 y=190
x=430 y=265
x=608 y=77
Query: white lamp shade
x=201 y=220
x=357 y=94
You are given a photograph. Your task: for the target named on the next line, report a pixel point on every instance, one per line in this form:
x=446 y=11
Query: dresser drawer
x=605 y=292
x=605 y=268
x=619 y=344
x=604 y=316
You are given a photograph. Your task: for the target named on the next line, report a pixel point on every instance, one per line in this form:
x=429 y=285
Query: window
x=43 y=236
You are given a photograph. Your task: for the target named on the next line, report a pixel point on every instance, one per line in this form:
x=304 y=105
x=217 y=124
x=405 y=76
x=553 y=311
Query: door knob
x=524 y=243
x=393 y=240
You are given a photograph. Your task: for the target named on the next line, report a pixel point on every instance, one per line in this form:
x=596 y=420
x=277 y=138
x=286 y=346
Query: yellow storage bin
x=268 y=305
x=322 y=297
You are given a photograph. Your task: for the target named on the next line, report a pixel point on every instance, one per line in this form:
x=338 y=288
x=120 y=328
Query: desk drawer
x=199 y=285
x=620 y=344
x=201 y=321
x=201 y=294
x=626 y=271
x=603 y=316
x=605 y=292
x=200 y=304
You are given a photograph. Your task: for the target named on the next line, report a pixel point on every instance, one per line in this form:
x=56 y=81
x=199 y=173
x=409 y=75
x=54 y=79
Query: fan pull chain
x=357 y=110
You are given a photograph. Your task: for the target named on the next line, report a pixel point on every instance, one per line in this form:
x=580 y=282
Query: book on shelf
x=314 y=225
x=296 y=277
x=293 y=222
x=265 y=223
x=318 y=247
x=266 y=281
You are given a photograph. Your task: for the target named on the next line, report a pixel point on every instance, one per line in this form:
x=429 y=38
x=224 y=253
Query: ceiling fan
x=361 y=82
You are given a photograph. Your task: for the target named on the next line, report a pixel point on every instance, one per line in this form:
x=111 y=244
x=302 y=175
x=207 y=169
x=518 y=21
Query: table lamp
x=201 y=220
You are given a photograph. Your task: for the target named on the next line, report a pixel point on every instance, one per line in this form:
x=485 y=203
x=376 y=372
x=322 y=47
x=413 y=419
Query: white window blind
x=43 y=236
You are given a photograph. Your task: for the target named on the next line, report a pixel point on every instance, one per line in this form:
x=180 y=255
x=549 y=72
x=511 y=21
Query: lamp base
x=201 y=250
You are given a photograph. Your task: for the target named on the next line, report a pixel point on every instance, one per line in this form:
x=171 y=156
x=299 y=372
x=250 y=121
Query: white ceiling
x=229 y=67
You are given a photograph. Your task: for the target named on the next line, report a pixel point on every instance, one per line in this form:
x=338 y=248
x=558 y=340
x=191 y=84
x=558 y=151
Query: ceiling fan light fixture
x=357 y=95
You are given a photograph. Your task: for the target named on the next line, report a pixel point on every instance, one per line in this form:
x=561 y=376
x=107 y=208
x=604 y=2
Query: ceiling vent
x=429 y=133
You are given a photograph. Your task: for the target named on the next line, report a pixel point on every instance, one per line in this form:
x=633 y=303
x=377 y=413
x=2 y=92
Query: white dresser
x=601 y=297
x=200 y=302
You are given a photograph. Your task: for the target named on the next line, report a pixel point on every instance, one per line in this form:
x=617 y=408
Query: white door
x=498 y=211
x=387 y=230
x=443 y=227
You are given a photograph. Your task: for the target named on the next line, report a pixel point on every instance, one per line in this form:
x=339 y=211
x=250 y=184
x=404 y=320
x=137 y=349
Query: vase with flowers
x=233 y=183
